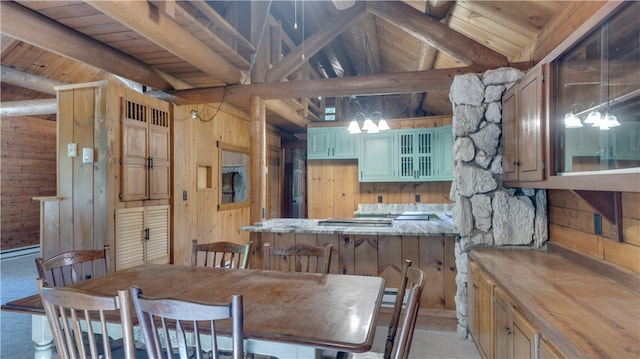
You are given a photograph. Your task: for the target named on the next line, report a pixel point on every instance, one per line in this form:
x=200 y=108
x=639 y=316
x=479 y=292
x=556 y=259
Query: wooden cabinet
x=514 y=336
x=377 y=158
x=481 y=311
x=498 y=327
x=145 y=150
x=94 y=119
x=406 y=155
x=331 y=143
x=142 y=236
x=523 y=128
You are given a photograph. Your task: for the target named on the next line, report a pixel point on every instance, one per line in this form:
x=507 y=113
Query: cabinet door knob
x=507 y=330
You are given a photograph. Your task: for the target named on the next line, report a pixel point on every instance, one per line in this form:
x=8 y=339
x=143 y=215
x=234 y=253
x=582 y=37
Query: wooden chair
x=69 y=311
x=74 y=266
x=159 y=316
x=221 y=254
x=298 y=258
x=415 y=285
x=409 y=292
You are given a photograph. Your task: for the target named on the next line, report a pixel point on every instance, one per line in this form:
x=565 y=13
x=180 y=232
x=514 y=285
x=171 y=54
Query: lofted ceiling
x=395 y=57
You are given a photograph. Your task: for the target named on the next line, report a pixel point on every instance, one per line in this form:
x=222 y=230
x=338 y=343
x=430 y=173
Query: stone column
x=485 y=212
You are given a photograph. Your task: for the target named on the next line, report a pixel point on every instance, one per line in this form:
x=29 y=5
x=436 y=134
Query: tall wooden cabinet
x=523 y=128
x=145 y=150
x=96 y=145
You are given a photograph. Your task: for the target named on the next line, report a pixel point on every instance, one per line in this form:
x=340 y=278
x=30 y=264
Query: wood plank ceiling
x=397 y=57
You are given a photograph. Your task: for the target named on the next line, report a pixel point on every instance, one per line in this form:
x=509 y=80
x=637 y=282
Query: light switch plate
x=72 y=150
x=87 y=155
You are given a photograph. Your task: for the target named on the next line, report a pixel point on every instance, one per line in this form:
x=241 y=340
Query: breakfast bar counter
x=375 y=243
x=440 y=226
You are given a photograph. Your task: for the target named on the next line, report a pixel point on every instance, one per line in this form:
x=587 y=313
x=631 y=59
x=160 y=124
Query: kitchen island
x=442 y=226
x=376 y=246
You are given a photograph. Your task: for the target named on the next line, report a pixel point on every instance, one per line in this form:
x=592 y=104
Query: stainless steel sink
x=364 y=222
x=405 y=216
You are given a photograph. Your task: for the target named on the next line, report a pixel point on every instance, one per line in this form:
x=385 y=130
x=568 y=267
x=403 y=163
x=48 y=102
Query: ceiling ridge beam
x=145 y=19
x=309 y=47
x=436 y=33
x=28 y=26
x=381 y=84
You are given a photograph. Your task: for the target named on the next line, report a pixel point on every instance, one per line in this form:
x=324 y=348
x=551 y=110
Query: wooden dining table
x=300 y=310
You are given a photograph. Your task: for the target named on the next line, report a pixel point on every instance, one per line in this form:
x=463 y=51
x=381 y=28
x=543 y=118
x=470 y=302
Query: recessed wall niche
x=204 y=177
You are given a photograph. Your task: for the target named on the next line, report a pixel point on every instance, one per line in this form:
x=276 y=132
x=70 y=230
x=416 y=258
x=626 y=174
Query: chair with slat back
x=69 y=310
x=158 y=317
x=74 y=266
x=405 y=310
x=415 y=285
x=298 y=258
x=221 y=254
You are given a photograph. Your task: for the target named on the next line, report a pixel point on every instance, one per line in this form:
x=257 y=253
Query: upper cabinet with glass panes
x=597 y=102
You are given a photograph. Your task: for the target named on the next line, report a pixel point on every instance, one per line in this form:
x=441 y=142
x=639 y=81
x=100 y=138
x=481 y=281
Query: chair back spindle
x=74 y=266
x=220 y=254
x=73 y=315
x=298 y=258
x=158 y=317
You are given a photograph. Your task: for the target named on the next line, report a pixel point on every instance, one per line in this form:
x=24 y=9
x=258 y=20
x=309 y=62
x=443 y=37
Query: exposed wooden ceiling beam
x=33 y=28
x=297 y=57
x=218 y=22
x=46 y=106
x=437 y=34
x=29 y=81
x=372 y=51
x=186 y=15
x=284 y=110
x=382 y=84
x=145 y=19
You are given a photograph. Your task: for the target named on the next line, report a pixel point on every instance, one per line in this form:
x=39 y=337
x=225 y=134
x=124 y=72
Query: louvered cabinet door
x=157 y=223
x=142 y=236
x=159 y=174
x=129 y=240
x=134 y=151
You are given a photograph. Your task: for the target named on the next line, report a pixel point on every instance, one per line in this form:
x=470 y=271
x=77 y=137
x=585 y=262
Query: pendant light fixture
x=369 y=125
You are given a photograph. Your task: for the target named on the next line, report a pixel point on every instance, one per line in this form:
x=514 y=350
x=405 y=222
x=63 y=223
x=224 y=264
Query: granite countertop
x=441 y=226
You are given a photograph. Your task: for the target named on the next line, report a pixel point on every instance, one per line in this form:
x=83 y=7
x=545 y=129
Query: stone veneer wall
x=485 y=212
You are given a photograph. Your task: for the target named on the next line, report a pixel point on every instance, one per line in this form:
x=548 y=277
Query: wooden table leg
x=42 y=337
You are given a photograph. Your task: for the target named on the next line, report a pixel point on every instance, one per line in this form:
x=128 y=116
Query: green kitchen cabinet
x=331 y=143
x=415 y=154
x=377 y=161
x=408 y=155
x=443 y=153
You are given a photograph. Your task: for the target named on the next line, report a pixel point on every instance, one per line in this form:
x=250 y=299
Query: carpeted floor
x=18 y=279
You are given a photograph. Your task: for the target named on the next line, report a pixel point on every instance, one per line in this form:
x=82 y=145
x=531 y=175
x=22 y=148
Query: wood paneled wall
x=28 y=169
x=334 y=190
x=194 y=144
x=571 y=223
